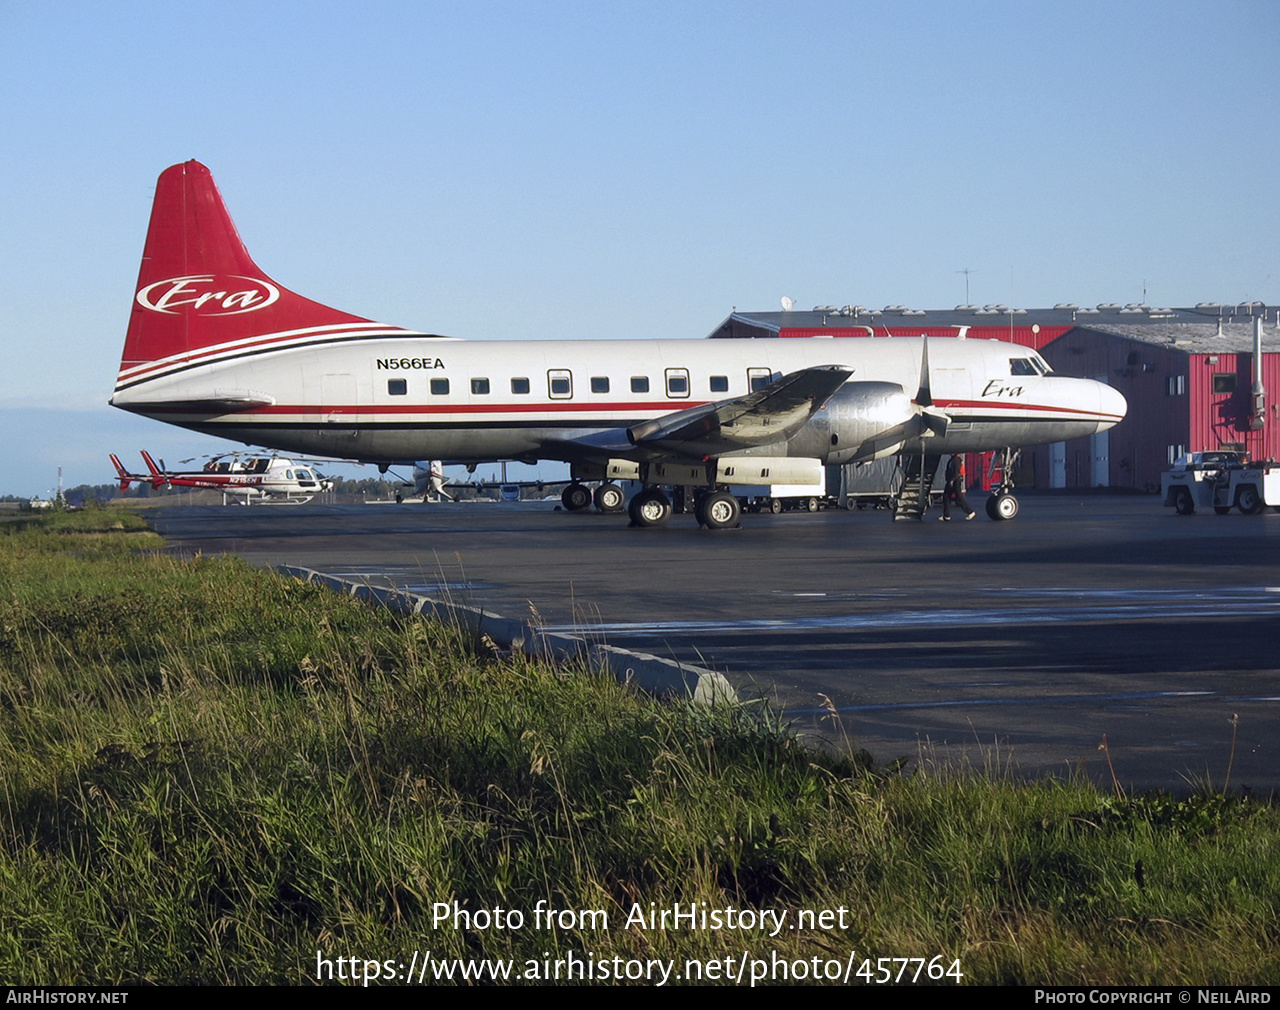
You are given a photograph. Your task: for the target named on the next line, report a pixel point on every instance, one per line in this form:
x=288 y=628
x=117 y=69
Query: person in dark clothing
x=954 y=489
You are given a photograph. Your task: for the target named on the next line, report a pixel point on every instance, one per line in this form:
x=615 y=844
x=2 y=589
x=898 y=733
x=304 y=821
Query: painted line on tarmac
x=930 y=618
x=1066 y=699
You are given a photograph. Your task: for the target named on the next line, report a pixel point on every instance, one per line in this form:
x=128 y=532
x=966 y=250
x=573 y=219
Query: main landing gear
x=716 y=510
x=575 y=497
x=606 y=498
x=649 y=507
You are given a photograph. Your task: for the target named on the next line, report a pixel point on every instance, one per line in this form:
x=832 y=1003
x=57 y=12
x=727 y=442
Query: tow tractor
x=1220 y=479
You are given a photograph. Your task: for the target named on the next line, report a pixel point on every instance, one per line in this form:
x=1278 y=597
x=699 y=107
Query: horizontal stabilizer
x=216 y=403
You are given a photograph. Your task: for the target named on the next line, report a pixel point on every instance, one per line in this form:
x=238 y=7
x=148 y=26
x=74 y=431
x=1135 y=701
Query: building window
x=1224 y=382
x=599 y=384
x=639 y=383
x=1176 y=385
x=520 y=386
x=439 y=387
x=719 y=383
x=480 y=387
x=397 y=387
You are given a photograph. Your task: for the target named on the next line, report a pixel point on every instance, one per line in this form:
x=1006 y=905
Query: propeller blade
x=929 y=420
x=924 y=398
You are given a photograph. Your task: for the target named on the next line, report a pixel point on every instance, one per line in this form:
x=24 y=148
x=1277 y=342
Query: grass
x=210 y=774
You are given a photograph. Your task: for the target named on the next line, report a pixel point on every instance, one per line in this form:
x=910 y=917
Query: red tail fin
x=151 y=463
x=126 y=478
x=198 y=287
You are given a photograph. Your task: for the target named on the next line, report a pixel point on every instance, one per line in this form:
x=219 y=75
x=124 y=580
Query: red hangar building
x=1189 y=375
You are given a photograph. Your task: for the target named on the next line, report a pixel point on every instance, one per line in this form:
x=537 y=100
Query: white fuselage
x=403 y=396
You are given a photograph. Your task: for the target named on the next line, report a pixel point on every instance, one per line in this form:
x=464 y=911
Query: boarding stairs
x=917 y=482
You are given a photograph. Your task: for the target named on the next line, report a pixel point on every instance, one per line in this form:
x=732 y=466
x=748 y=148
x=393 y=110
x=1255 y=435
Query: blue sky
x=573 y=170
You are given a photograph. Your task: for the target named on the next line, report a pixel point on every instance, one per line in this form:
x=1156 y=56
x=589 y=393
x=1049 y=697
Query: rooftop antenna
x=788 y=303
x=966 y=271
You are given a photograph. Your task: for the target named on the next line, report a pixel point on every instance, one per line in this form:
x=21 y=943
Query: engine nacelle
x=862 y=421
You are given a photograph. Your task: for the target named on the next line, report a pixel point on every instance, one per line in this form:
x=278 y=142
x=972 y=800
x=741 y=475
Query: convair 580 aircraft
x=215 y=345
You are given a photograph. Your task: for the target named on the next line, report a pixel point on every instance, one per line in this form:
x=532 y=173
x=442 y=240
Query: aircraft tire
x=1183 y=503
x=1248 y=501
x=720 y=510
x=649 y=507
x=575 y=497
x=1002 y=506
x=812 y=504
x=609 y=498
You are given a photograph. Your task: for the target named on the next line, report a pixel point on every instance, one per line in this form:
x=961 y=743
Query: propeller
x=929 y=420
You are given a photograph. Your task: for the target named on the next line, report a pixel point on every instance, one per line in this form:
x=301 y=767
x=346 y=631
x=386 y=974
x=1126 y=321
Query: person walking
x=954 y=489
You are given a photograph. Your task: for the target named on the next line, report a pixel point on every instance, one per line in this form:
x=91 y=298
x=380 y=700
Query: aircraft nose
x=1112 y=405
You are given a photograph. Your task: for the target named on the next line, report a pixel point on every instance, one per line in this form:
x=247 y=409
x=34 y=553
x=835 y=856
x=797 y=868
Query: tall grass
x=208 y=774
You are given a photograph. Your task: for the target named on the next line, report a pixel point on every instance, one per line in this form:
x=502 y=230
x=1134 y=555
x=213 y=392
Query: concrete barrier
x=650 y=673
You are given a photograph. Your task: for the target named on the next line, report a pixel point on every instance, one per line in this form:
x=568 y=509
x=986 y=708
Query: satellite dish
x=788 y=303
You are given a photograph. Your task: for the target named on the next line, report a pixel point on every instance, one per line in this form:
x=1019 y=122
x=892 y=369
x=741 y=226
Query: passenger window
x=560 y=383
x=397 y=387
x=758 y=378
x=599 y=384
x=719 y=383
x=480 y=387
x=520 y=386
x=678 y=382
x=439 y=387
x=639 y=383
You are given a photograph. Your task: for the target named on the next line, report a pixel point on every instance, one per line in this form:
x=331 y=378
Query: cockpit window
x=1022 y=366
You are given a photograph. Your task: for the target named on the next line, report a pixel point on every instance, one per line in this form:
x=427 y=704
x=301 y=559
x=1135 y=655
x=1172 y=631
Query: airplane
x=252 y=477
x=217 y=346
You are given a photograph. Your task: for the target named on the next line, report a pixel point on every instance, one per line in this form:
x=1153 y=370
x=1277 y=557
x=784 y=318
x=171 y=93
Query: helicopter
x=261 y=478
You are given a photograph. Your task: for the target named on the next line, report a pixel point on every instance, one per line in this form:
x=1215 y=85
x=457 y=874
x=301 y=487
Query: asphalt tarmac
x=1018 y=646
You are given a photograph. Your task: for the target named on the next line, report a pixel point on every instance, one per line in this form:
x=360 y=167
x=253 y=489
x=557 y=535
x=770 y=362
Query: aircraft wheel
x=609 y=498
x=1002 y=506
x=1249 y=501
x=720 y=511
x=649 y=507
x=775 y=505
x=575 y=497
x=1183 y=503
x=812 y=505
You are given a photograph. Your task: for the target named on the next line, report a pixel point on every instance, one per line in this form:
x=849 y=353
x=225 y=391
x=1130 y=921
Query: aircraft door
x=337 y=397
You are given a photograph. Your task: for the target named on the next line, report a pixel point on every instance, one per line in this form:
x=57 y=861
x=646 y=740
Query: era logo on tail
x=194 y=294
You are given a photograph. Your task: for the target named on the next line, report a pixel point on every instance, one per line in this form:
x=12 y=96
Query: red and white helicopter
x=266 y=478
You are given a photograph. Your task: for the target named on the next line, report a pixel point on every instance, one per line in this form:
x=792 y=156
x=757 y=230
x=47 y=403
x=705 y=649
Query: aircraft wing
x=771 y=414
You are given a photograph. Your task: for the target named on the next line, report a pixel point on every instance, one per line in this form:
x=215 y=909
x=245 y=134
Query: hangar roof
x=1205 y=329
